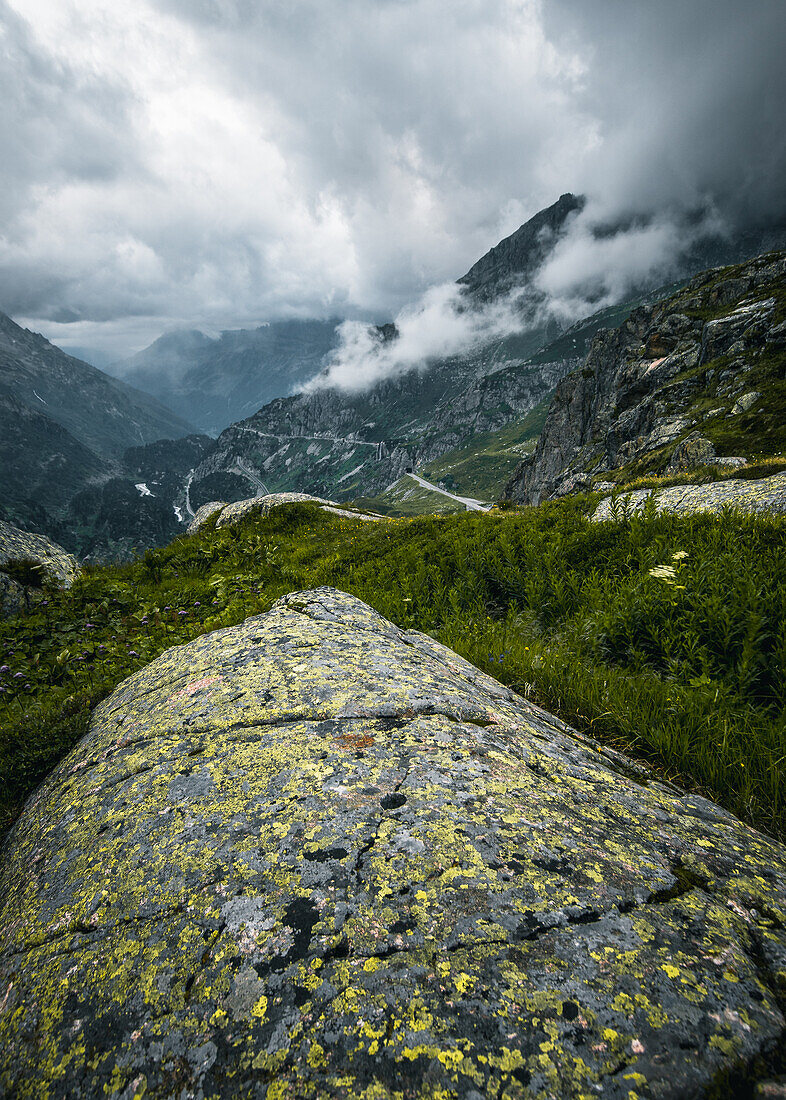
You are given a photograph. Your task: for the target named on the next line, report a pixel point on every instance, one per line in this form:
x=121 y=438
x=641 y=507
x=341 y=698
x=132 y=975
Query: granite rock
x=760 y=495
x=315 y=856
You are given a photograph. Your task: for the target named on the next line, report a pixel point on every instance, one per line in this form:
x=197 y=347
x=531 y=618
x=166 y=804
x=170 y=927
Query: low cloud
x=444 y=322
x=223 y=162
x=594 y=266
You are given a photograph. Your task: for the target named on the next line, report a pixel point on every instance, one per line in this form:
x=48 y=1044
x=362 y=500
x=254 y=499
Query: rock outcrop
x=51 y=563
x=229 y=514
x=766 y=494
x=682 y=367
x=314 y=855
x=203 y=514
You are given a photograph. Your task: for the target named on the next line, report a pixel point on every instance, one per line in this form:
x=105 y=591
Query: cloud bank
x=219 y=163
x=440 y=324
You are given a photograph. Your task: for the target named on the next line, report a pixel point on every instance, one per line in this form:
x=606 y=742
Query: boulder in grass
x=203 y=514
x=233 y=513
x=760 y=496
x=27 y=562
x=693 y=451
x=314 y=855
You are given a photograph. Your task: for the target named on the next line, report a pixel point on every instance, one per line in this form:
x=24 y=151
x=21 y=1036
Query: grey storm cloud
x=223 y=162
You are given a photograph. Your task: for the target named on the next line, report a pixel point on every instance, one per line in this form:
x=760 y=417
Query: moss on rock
x=314 y=855
x=762 y=495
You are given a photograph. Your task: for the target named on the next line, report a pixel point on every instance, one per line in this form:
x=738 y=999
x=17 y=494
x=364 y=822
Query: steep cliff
x=315 y=855
x=708 y=362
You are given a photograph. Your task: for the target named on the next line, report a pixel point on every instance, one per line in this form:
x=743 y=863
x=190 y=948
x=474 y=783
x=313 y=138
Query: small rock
x=694 y=450
x=745 y=402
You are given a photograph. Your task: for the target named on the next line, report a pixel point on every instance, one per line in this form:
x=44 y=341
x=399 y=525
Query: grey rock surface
x=233 y=513
x=317 y=856
x=203 y=514
x=760 y=495
x=57 y=567
x=744 y=402
x=693 y=451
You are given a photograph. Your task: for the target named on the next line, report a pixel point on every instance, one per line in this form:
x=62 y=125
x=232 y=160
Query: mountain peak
x=517 y=256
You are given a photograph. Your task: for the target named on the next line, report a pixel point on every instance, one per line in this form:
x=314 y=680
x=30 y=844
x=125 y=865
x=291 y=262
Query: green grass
x=406 y=498
x=687 y=671
x=482 y=466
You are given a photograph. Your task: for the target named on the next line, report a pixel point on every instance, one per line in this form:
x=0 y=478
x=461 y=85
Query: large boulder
x=233 y=513
x=315 y=855
x=57 y=565
x=230 y=514
x=754 y=496
x=203 y=514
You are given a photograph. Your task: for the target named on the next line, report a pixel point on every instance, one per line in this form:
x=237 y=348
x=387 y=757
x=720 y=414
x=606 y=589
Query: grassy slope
x=407 y=498
x=480 y=468
x=688 y=672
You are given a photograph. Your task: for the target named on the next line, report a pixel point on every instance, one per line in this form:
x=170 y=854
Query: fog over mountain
x=216 y=164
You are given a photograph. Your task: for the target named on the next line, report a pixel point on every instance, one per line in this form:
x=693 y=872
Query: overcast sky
x=217 y=163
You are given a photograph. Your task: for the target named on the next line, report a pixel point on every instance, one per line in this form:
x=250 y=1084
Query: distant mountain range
x=105 y=468
x=214 y=382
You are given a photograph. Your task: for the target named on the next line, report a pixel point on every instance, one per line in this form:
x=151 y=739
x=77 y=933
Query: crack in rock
x=381 y=873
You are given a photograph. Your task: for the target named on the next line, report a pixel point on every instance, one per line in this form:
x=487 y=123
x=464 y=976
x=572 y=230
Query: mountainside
x=213 y=382
x=102 y=413
x=65 y=428
x=348 y=444
x=516 y=258
x=696 y=380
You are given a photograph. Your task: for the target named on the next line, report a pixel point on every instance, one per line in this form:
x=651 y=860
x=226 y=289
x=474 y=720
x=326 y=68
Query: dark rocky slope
x=516 y=258
x=316 y=856
x=100 y=412
x=703 y=369
x=65 y=428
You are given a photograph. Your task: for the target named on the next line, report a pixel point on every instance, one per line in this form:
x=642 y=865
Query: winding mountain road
x=470 y=503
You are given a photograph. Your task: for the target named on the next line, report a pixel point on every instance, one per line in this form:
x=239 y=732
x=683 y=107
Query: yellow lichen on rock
x=314 y=855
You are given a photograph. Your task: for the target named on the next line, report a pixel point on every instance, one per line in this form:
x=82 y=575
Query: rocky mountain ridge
x=703 y=369
x=357 y=443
